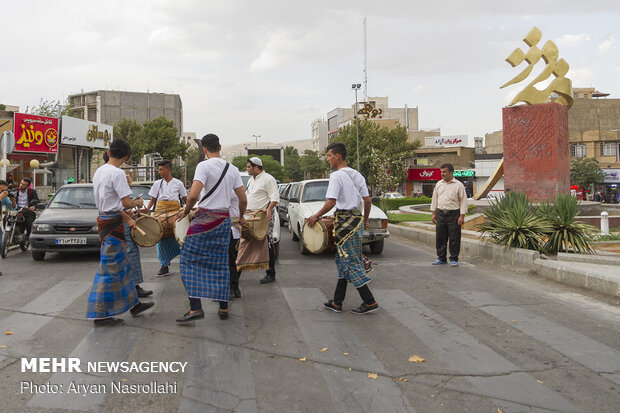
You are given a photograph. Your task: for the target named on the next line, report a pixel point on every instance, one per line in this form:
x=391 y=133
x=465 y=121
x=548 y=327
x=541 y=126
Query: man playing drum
x=262 y=193
x=204 y=257
x=166 y=194
x=346 y=186
x=113 y=292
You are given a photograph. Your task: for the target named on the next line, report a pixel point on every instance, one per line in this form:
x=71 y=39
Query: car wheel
x=295 y=237
x=302 y=247
x=376 y=247
x=38 y=255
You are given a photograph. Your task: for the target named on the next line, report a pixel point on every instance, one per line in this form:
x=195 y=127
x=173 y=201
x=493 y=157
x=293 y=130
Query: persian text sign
x=612 y=176
x=446 y=141
x=35 y=133
x=424 y=174
x=81 y=132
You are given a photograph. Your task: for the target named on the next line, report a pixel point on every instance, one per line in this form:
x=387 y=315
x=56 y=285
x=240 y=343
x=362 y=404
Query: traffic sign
x=7 y=136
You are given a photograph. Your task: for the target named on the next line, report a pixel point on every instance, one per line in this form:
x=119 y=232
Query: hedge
x=393 y=204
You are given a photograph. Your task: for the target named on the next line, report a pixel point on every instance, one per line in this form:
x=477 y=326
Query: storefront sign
x=612 y=176
x=446 y=141
x=424 y=174
x=469 y=173
x=80 y=132
x=35 y=133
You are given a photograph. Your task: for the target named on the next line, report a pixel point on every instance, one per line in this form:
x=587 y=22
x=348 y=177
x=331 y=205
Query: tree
x=159 y=135
x=292 y=164
x=585 y=172
x=383 y=152
x=51 y=108
x=191 y=160
x=270 y=165
x=313 y=165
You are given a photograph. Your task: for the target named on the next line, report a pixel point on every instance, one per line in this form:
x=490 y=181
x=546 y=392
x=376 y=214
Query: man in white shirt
x=166 y=194
x=346 y=189
x=204 y=257
x=263 y=194
x=113 y=292
x=449 y=206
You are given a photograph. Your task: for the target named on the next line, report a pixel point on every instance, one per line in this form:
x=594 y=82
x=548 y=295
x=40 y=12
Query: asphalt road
x=492 y=339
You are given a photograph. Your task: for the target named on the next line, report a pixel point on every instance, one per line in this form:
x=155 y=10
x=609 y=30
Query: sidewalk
x=600 y=273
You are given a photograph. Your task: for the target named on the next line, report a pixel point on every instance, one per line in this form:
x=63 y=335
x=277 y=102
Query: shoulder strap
x=216 y=184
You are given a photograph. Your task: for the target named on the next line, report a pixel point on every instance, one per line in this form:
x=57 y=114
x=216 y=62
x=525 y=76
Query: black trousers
x=232 y=262
x=195 y=304
x=29 y=217
x=341 y=291
x=448 y=232
x=271 y=272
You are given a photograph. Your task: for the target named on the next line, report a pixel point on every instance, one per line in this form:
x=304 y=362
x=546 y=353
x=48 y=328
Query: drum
x=319 y=237
x=181 y=227
x=168 y=222
x=150 y=227
x=256 y=225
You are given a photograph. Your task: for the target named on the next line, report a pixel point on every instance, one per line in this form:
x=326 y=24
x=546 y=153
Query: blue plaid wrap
x=204 y=263
x=350 y=263
x=167 y=249
x=133 y=258
x=112 y=293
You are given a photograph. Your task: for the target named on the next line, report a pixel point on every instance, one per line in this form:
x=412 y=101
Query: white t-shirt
x=208 y=172
x=234 y=213
x=346 y=185
x=110 y=186
x=168 y=191
x=22 y=198
x=262 y=190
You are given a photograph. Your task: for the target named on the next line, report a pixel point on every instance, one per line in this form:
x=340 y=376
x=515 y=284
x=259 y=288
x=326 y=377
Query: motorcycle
x=12 y=233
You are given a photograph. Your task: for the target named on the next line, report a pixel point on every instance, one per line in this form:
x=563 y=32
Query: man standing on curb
x=449 y=206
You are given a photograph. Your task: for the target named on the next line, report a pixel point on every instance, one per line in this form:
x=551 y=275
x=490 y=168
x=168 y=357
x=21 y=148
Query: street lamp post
x=256 y=137
x=356 y=87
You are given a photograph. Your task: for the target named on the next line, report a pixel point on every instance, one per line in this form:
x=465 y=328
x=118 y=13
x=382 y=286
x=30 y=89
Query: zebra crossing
x=338 y=351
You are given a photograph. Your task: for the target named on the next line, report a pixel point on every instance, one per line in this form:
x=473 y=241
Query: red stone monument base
x=536 y=150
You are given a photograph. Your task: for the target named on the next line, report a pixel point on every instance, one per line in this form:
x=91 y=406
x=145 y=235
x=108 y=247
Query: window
x=315 y=191
x=609 y=149
x=578 y=151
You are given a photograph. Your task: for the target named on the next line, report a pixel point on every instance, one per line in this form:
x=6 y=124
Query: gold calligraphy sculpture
x=561 y=86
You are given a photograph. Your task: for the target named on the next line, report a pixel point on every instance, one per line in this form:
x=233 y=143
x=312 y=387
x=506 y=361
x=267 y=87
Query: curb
x=593 y=279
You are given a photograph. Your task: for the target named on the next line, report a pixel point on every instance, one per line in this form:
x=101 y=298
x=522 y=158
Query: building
x=189 y=138
x=376 y=110
x=111 y=106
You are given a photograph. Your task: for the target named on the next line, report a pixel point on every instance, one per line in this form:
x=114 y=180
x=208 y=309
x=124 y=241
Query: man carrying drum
x=262 y=193
x=113 y=292
x=346 y=186
x=166 y=194
x=204 y=257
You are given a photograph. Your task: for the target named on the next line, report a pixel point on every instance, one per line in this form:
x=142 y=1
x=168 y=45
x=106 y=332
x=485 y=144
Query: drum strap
x=219 y=181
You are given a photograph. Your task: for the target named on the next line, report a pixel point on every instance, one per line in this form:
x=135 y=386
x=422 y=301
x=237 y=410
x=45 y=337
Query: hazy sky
x=269 y=68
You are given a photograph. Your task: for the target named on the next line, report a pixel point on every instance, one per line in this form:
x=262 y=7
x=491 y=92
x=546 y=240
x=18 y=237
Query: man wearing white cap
x=262 y=193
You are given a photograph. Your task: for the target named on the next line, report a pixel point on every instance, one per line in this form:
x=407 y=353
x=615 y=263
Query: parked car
x=141 y=189
x=392 y=195
x=67 y=224
x=309 y=196
x=283 y=204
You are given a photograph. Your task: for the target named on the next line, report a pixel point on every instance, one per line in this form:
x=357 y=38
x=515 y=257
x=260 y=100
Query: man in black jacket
x=27 y=198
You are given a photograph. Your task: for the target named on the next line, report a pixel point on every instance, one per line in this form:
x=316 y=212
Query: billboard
x=424 y=174
x=80 y=132
x=35 y=133
x=446 y=141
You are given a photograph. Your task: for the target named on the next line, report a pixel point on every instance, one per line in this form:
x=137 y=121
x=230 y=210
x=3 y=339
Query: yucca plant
x=566 y=234
x=513 y=223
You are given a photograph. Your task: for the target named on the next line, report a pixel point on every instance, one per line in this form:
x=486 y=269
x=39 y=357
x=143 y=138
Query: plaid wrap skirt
x=349 y=260
x=112 y=292
x=133 y=258
x=204 y=261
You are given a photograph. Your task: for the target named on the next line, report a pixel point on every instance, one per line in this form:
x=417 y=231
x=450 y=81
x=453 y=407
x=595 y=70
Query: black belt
x=447 y=211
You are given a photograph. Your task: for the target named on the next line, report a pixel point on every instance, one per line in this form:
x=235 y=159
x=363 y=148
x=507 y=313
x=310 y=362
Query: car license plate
x=71 y=241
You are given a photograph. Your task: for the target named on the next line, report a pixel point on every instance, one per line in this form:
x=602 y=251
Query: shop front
x=610 y=187
x=468 y=178
x=421 y=181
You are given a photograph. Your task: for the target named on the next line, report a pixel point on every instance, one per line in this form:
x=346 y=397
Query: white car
x=309 y=196
x=245 y=177
x=392 y=195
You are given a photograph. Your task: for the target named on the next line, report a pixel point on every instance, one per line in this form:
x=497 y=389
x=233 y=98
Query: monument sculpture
x=536 y=148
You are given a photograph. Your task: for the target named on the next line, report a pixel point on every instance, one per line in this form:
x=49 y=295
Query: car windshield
x=142 y=191
x=77 y=197
x=315 y=191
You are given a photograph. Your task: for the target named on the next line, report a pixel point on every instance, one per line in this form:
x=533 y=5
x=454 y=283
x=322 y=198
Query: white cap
x=256 y=160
